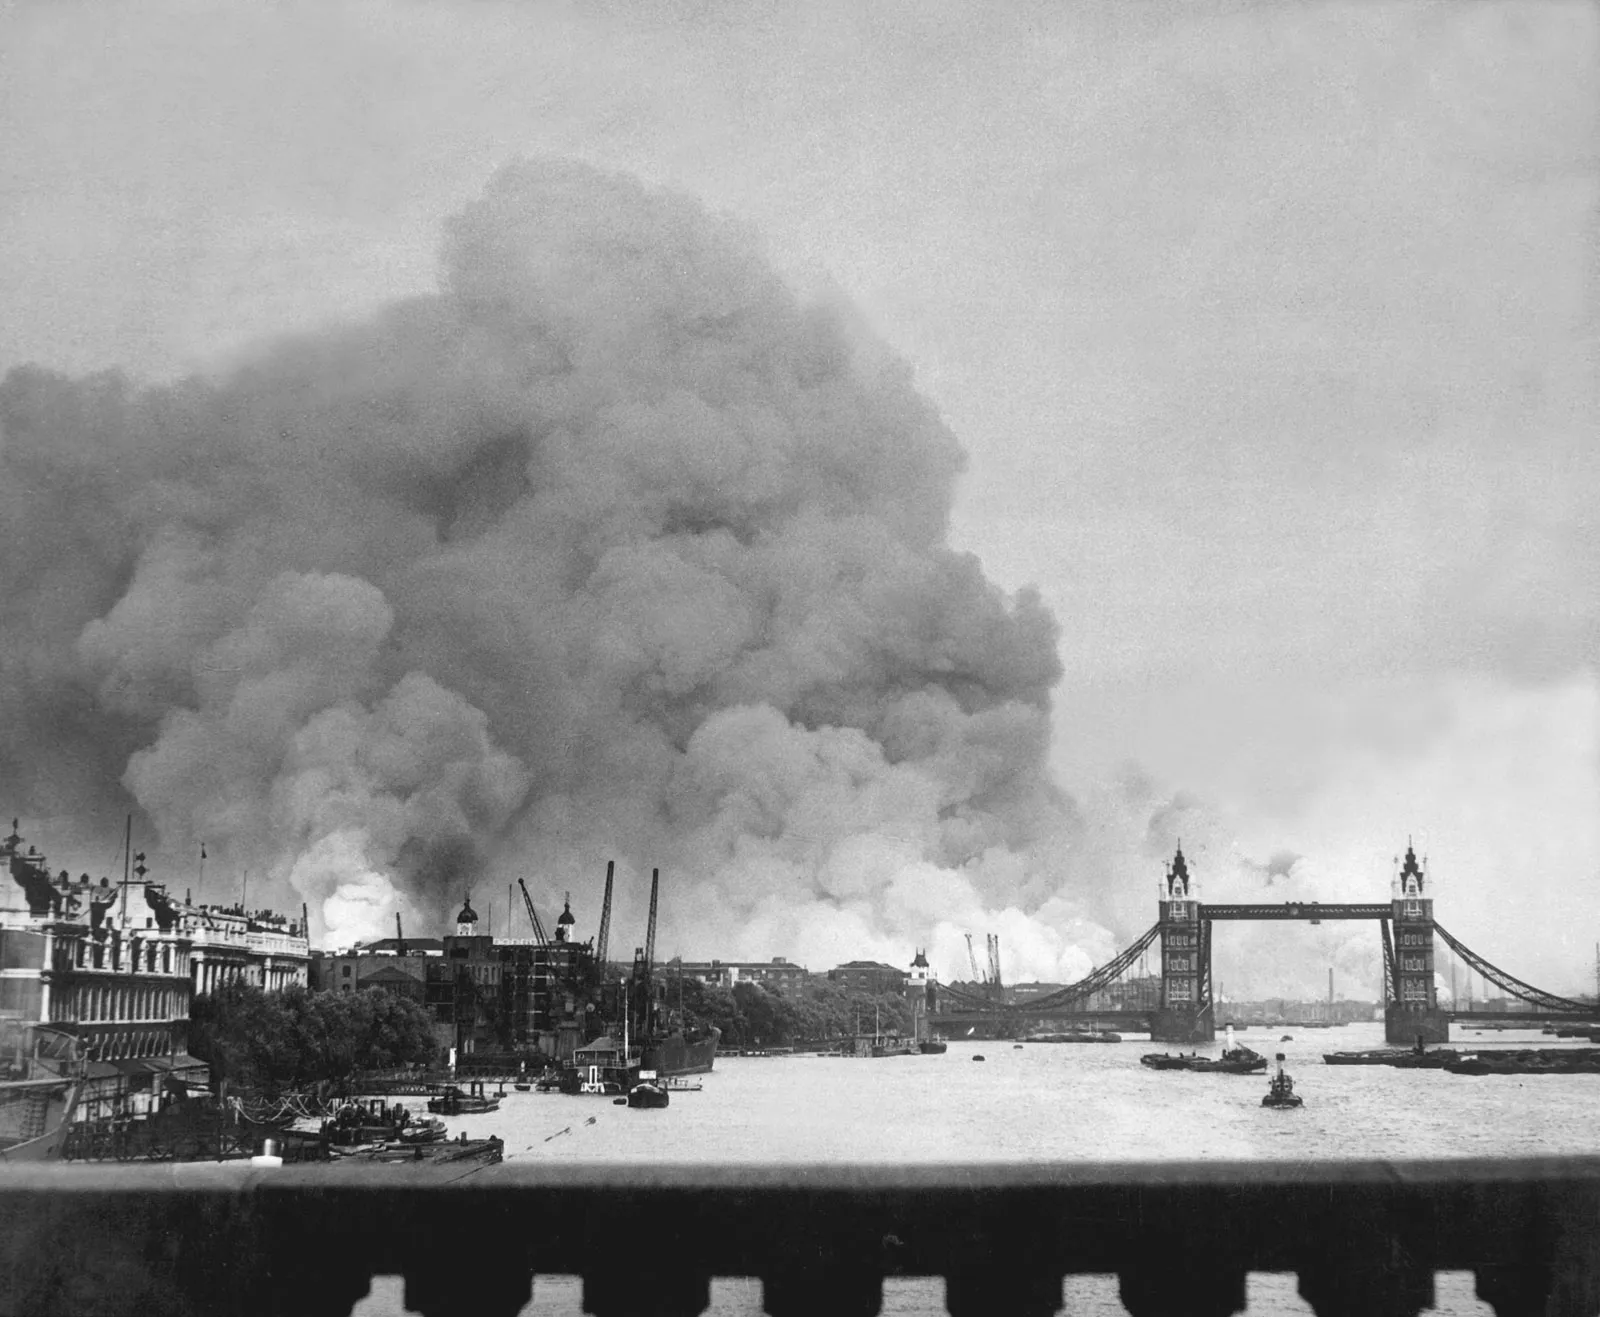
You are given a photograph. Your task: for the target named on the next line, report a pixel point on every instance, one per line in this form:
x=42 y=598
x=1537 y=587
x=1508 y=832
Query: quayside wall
x=1364 y=1237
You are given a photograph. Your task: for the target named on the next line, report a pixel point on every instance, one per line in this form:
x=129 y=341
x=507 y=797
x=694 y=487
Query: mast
x=603 y=940
x=127 y=862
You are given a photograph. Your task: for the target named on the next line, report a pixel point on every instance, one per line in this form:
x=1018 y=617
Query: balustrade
x=1364 y=1238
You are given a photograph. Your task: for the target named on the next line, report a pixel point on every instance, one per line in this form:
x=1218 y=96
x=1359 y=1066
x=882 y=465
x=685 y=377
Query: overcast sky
x=1269 y=331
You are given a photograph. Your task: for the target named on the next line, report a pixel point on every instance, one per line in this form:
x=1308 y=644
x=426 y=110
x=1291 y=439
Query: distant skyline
x=1269 y=333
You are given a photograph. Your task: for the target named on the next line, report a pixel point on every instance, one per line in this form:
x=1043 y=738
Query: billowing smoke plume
x=611 y=548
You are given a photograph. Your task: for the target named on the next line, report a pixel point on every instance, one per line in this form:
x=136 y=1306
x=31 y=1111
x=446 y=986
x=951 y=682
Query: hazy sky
x=1269 y=331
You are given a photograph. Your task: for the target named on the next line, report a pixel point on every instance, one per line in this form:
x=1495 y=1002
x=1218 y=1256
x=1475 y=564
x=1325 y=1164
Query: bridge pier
x=1405 y=1022
x=1183 y=1024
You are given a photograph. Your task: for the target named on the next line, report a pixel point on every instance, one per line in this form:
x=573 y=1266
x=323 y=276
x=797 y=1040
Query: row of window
x=1180 y=964
x=1416 y=939
x=1180 y=990
x=96 y=1002
x=129 y=956
x=1179 y=939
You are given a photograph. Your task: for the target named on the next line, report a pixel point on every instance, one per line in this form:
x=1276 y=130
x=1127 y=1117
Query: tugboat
x=1280 y=1092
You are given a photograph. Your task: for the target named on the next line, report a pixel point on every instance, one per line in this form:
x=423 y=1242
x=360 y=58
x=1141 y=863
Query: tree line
x=820 y=1012
x=276 y=1042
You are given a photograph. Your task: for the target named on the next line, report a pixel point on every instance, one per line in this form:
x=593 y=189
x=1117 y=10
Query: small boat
x=977 y=1056
x=1235 y=1060
x=483 y=1152
x=647 y=1095
x=932 y=1047
x=1440 y=1058
x=1287 y=1038
x=453 y=1102
x=1016 y=1047
x=522 y=1086
x=1280 y=1091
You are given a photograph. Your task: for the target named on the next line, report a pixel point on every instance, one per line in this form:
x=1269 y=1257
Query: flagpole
x=200 y=885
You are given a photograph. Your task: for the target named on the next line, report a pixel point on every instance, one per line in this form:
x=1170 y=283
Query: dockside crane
x=399 y=936
x=533 y=916
x=994 y=964
x=603 y=939
x=643 y=960
x=972 y=959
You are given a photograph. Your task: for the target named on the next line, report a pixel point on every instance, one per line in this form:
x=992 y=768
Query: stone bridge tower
x=1413 y=1012
x=1185 y=1015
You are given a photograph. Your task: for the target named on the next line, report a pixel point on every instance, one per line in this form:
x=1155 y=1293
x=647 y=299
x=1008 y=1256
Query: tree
x=295 y=1038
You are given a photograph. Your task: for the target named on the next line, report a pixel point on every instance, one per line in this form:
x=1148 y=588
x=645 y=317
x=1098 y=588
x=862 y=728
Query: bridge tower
x=1412 y=1011
x=1185 y=1015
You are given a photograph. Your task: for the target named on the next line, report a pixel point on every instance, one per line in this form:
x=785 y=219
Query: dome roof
x=468 y=915
x=566 y=917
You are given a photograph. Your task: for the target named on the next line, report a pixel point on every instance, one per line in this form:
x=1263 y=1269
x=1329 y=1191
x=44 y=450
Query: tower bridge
x=1178 y=1005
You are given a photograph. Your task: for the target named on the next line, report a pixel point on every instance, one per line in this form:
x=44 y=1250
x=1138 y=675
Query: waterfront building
x=485 y=995
x=871 y=976
x=775 y=975
x=231 y=944
x=116 y=965
x=400 y=966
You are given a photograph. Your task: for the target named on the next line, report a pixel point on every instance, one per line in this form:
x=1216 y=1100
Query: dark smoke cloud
x=610 y=548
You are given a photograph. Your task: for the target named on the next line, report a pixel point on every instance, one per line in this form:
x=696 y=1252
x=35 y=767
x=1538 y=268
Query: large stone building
x=116 y=965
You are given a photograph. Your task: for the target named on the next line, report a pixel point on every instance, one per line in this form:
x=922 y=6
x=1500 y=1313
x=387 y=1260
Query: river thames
x=1051 y=1102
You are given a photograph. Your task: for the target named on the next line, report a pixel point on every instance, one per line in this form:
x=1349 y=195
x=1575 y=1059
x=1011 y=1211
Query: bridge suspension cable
x=1087 y=986
x=1509 y=982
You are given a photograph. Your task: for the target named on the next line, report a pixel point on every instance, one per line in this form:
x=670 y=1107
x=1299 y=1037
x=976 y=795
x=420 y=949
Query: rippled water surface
x=1053 y=1102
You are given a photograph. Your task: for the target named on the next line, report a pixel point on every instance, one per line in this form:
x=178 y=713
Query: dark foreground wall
x=1365 y=1238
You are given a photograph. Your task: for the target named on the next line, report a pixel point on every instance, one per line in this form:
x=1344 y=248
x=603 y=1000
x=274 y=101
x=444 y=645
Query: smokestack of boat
x=1227 y=1045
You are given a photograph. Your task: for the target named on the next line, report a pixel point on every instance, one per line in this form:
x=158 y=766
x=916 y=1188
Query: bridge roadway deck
x=1364 y=1237
x=1297 y=910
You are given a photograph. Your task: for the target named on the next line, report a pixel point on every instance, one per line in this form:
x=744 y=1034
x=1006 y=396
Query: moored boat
x=483 y=1152
x=1438 y=1059
x=40 y=1092
x=454 y=1102
x=647 y=1094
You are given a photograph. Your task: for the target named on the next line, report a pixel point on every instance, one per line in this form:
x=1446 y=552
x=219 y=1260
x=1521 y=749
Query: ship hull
x=675 y=1054
x=44 y=1141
